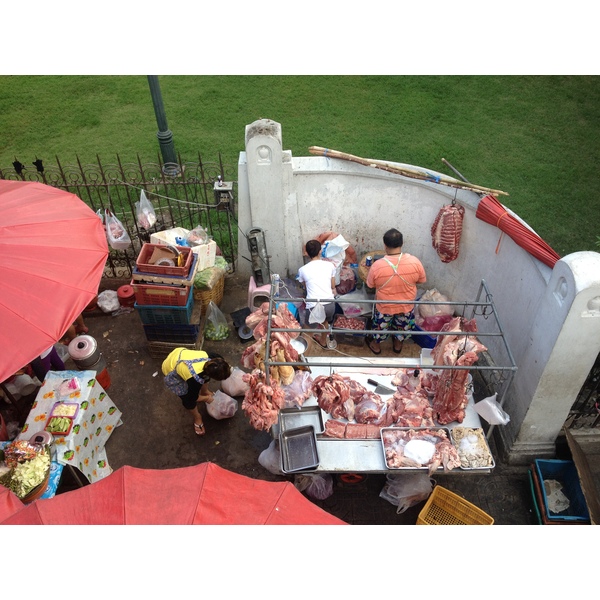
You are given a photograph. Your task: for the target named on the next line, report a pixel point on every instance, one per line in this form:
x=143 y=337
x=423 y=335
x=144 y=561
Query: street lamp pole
x=164 y=135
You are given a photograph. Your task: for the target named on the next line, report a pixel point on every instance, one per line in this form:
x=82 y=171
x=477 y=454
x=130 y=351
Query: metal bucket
x=84 y=351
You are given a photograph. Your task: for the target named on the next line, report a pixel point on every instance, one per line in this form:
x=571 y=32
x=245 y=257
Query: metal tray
x=455 y=437
x=298 y=449
x=291 y=418
x=402 y=429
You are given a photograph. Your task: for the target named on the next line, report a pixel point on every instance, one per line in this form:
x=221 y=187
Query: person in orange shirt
x=394 y=277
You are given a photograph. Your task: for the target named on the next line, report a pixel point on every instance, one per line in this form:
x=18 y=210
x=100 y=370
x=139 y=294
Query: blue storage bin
x=175 y=334
x=425 y=341
x=565 y=472
x=166 y=315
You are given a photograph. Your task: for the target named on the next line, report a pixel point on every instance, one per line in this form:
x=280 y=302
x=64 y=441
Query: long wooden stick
x=405 y=171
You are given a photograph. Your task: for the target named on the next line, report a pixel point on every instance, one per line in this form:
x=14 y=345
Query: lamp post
x=164 y=134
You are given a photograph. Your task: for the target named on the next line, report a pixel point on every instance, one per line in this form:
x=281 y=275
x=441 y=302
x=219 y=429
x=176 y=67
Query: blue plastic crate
x=184 y=334
x=565 y=472
x=425 y=341
x=166 y=315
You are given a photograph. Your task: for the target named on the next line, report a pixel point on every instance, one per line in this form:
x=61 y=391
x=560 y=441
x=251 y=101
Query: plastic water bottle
x=276 y=280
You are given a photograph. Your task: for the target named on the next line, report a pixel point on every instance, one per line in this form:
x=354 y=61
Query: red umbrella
x=204 y=494
x=491 y=211
x=9 y=503
x=52 y=254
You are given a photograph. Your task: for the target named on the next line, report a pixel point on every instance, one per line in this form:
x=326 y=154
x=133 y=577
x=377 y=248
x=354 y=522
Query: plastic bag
x=433 y=310
x=317 y=314
x=270 y=458
x=216 y=327
x=235 y=385
x=108 y=301
x=406 y=490
x=197 y=236
x=335 y=251
x=222 y=406
x=347 y=282
x=117 y=235
x=318 y=486
x=146 y=217
x=491 y=411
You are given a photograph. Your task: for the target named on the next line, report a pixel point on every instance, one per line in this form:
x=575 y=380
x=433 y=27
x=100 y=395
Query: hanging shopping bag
x=146 y=217
x=117 y=235
x=317 y=314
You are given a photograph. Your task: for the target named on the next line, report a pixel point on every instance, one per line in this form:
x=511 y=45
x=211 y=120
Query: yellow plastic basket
x=444 y=507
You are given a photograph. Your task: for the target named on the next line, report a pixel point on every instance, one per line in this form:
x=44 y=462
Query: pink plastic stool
x=262 y=294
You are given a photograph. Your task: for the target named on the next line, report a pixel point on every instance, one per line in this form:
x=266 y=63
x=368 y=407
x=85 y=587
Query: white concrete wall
x=548 y=315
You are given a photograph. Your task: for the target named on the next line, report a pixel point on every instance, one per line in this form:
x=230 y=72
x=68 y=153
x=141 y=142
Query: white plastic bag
x=335 y=251
x=270 y=458
x=222 y=406
x=491 y=411
x=317 y=314
x=406 y=490
x=108 y=301
x=434 y=310
x=146 y=217
x=235 y=385
x=318 y=486
x=117 y=235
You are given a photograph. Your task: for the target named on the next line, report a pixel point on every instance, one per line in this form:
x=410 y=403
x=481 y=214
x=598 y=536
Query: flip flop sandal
x=376 y=353
x=397 y=349
x=199 y=429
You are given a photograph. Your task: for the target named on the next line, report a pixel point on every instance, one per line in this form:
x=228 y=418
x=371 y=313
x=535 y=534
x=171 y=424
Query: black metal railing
x=183 y=197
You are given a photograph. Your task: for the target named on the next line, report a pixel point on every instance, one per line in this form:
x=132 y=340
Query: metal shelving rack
x=497 y=373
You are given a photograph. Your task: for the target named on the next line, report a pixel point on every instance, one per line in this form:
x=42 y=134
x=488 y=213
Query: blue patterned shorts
x=399 y=322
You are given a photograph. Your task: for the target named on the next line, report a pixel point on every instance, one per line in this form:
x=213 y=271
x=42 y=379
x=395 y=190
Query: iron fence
x=182 y=195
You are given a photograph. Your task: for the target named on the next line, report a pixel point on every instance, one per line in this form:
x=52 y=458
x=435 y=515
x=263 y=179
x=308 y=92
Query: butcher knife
x=381 y=389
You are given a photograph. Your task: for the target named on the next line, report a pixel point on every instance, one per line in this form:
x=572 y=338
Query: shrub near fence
x=186 y=199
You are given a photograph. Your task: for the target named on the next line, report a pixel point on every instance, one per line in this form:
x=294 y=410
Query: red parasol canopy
x=9 y=503
x=204 y=494
x=52 y=254
x=491 y=211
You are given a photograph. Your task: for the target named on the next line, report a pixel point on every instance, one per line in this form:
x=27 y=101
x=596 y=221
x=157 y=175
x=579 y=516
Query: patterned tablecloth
x=96 y=419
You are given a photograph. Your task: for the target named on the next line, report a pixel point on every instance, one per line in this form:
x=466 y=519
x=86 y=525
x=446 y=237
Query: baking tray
x=456 y=435
x=424 y=467
x=291 y=418
x=298 y=449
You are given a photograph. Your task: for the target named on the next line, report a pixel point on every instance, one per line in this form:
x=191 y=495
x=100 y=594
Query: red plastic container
x=126 y=295
x=60 y=433
x=160 y=295
x=146 y=253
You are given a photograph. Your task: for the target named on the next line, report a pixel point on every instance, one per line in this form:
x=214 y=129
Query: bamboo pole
x=404 y=171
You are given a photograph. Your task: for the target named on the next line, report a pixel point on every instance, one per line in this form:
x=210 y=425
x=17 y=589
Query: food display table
x=96 y=418
x=367 y=455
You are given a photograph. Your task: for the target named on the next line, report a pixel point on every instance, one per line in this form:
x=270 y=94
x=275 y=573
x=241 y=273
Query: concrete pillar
x=565 y=341
x=271 y=204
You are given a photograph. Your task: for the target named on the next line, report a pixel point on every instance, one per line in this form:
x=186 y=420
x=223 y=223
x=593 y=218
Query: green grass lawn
x=537 y=138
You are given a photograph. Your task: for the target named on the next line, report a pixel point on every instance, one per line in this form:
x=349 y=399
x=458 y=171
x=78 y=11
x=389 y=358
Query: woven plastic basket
x=444 y=507
x=215 y=295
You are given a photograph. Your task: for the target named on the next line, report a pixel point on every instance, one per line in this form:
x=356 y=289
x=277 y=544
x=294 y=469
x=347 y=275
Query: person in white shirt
x=318 y=278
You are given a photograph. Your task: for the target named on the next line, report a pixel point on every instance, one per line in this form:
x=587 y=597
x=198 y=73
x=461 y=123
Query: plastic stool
x=262 y=293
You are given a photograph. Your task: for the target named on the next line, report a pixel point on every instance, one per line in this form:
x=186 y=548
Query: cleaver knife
x=381 y=389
